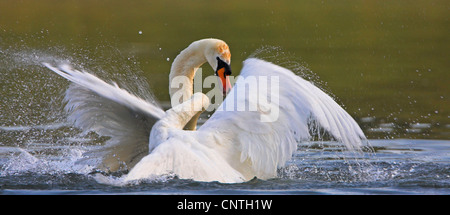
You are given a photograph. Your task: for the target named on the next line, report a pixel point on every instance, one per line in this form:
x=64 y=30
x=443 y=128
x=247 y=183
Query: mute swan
x=232 y=146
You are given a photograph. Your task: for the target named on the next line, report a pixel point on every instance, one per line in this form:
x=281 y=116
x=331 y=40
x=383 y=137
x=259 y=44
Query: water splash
x=34 y=126
x=118 y=181
x=279 y=56
x=21 y=161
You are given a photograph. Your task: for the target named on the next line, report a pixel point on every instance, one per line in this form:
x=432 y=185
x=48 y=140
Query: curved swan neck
x=185 y=65
x=178 y=116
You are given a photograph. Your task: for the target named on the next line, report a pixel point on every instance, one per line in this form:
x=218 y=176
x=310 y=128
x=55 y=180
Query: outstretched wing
x=94 y=105
x=265 y=127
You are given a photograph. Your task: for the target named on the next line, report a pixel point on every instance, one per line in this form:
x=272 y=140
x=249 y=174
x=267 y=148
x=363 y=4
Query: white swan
x=232 y=146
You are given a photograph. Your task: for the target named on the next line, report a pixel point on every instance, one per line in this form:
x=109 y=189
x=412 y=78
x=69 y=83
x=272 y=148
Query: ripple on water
x=397 y=166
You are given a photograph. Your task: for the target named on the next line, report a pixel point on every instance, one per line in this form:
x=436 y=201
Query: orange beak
x=226 y=85
x=223 y=71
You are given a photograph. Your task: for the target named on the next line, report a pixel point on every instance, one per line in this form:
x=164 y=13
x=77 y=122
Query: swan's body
x=232 y=146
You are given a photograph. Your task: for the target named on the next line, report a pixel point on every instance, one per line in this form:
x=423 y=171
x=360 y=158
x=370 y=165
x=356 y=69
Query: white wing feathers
x=268 y=145
x=106 y=90
x=94 y=105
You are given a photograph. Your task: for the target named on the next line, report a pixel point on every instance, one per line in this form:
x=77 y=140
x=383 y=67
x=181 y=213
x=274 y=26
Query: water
x=386 y=62
x=398 y=166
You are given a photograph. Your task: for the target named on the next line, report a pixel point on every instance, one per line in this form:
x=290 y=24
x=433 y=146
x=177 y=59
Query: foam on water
x=21 y=161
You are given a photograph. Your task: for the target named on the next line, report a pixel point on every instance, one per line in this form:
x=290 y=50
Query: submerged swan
x=232 y=146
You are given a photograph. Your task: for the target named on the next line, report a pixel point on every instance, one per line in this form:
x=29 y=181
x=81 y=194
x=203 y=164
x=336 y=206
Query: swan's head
x=219 y=57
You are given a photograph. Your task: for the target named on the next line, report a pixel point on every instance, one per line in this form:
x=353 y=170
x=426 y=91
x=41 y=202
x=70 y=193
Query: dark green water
x=386 y=62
